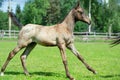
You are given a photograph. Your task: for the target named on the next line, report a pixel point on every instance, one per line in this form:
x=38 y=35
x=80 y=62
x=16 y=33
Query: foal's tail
x=116 y=41
x=15 y=20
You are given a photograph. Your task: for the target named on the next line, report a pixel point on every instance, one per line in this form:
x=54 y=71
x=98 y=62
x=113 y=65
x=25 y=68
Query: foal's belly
x=46 y=43
x=45 y=40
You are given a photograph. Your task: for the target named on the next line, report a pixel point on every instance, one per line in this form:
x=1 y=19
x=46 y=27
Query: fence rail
x=8 y=34
x=93 y=36
x=80 y=35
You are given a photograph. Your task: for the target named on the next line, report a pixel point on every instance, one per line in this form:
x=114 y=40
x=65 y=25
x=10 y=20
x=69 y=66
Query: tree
x=105 y=15
x=18 y=12
x=66 y=6
x=3 y=20
x=58 y=10
x=53 y=12
x=97 y=16
x=114 y=15
x=34 y=11
x=49 y=12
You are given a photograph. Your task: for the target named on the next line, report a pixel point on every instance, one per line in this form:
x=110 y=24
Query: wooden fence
x=93 y=36
x=8 y=34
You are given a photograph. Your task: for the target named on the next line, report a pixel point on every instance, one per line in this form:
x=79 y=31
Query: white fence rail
x=80 y=35
x=8 y=34
x=93 y=36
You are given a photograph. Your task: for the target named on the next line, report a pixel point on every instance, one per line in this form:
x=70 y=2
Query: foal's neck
x=69 y=20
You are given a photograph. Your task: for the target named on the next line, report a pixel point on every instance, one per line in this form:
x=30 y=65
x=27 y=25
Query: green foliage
x=114 y=15
x=18 y=13
x=34 y=11
x=105 y=15
x=3 y=20
x=58 y=10
x=66 y=6
x=53 y=12
x=97 y=16
x=50 y=12
x=81 y=27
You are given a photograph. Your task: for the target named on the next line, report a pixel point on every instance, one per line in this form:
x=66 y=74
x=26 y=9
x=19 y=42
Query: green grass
x=44 y=63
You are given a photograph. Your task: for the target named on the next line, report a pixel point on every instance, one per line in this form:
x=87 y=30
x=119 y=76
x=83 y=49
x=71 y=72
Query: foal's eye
x=80 y=12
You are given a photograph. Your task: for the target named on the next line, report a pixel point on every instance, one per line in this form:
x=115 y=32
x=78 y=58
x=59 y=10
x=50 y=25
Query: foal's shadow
x=110 y=76
x=47 y=74
x=13 y=73
x=36 y=73
x=104 y=76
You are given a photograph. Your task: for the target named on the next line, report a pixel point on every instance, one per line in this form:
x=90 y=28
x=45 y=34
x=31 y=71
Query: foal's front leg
x=62 y=47
x=76 y=53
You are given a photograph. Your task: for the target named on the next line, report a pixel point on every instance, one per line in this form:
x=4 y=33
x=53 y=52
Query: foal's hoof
x=95 y=72
x=1 y=73
x=72 y=79
x=27 y=74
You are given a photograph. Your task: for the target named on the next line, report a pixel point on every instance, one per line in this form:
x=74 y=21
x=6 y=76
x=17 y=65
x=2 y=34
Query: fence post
x=94 y=35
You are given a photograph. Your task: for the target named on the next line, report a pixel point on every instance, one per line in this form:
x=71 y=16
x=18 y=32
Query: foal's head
x=79 y=14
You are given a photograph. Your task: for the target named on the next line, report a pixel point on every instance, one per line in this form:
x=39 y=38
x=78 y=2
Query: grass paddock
x=45 y=63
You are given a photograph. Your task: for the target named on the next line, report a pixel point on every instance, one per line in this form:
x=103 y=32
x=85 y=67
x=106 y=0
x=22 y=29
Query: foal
x=60 y=35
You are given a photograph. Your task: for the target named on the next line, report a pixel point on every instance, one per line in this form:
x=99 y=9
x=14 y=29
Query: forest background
x=49 y=12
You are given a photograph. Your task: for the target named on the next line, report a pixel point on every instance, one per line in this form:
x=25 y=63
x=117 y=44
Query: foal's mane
x=67 y=13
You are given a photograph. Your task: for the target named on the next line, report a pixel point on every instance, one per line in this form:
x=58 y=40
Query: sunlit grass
x=44 y=63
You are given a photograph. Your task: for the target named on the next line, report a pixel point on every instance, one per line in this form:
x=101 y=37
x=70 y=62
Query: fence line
x=5 y=34
x=93 y=36
x=81 y=35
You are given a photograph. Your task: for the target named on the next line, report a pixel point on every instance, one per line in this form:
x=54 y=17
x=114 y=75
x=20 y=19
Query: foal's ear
x=77 y=5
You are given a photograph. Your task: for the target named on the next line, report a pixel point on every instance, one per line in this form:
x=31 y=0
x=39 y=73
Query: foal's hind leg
x=25 y=54
x=76 y=53
x=10 y=56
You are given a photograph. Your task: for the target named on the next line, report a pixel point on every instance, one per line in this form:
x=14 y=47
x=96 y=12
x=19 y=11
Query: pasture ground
x=45 y=63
